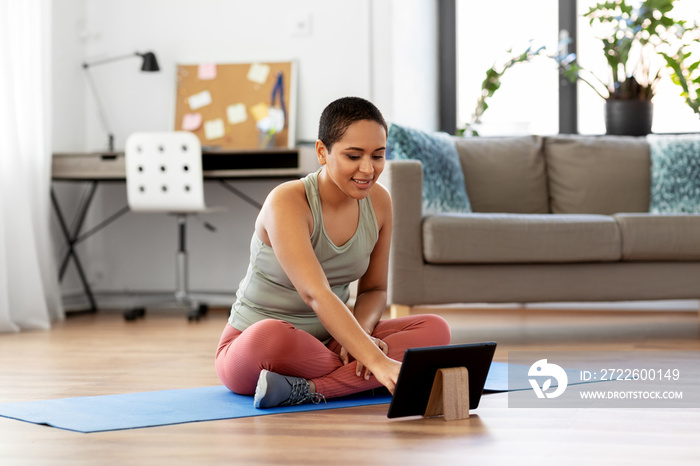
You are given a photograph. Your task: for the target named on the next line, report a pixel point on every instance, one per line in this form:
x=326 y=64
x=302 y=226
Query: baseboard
x=119 y=300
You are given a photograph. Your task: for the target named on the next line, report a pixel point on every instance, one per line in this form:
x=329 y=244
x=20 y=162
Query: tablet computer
x=420 y=366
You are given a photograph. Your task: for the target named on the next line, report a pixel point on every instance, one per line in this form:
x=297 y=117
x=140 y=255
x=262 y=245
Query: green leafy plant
x=639 y=41
x=685 y=68
x=492 y=83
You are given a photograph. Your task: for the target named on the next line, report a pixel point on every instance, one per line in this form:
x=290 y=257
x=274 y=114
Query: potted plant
x=638 y=42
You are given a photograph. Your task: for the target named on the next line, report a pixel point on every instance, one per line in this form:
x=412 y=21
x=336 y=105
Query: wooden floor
x=102 y=354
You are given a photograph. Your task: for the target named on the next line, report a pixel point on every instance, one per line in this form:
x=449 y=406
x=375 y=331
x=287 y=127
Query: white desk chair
x=164 y=174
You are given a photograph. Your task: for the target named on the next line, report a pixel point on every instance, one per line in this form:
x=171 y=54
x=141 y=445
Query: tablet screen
x=418 y=372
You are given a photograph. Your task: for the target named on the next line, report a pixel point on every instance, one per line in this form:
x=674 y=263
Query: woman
x=291 y=338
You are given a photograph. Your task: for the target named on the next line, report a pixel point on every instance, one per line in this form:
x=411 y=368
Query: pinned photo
x=236 y=113
x=191 y=121
x=258 y=72
x=214 y=129
x=199 y=100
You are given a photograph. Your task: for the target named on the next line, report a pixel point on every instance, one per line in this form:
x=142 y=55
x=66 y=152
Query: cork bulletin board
x=238 y=106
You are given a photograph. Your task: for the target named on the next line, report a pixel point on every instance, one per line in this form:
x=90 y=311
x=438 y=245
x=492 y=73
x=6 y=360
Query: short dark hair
x=340 y=114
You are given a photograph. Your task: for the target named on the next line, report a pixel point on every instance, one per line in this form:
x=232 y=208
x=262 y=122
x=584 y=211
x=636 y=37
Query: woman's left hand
x=345 y=358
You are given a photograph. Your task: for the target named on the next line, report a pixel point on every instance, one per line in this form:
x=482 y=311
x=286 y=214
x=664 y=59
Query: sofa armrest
x=404 y=180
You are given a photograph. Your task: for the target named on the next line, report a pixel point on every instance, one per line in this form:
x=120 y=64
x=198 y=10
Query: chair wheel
x=196 y=314
x=133 y=314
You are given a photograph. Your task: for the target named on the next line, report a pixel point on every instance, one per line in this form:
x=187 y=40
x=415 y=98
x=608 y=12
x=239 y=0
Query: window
x=527 y=101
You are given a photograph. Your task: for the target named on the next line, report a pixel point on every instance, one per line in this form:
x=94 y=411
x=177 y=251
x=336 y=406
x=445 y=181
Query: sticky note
x=191 y=121
x=259 y=111
x=236 y=113
x=258 y=72
x=206 y=71
x=199 y=100
x=214 y=129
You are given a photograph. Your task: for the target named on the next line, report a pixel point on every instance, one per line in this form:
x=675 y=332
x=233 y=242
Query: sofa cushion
x=675 y=173
x=598 y=175
x=504 y=174
x=519 y=238
x=661 y=237
x=443 y=181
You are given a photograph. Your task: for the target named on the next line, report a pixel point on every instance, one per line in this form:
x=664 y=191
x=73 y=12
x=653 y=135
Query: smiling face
x=356 y=160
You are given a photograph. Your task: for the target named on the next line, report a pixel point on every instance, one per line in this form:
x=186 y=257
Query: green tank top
x=267 y=293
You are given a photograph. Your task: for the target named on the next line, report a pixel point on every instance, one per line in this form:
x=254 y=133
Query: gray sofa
x=554 y=219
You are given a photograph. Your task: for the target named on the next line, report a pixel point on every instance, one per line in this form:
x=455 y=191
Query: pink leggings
x=277 y=346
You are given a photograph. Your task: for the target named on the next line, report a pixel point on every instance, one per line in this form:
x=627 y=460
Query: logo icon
x=542 y=368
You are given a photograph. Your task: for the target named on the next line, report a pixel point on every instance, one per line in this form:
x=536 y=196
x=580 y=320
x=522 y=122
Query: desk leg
x=71 y=240
x=241 y=194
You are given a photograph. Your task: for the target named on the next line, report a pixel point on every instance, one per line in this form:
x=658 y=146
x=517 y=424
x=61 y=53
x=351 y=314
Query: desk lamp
x=149 y=64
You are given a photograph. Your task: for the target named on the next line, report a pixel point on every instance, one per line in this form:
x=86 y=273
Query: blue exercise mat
x=159 y=408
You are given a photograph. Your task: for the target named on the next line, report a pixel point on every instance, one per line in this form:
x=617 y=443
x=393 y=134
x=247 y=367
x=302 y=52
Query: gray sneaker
x=281 y=390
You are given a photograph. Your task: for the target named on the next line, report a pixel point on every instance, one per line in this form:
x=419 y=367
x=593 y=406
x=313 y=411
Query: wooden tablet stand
x=449 y=396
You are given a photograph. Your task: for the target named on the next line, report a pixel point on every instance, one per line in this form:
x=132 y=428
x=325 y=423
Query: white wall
x=383 y=50
x=68 y=86
x=333 y=59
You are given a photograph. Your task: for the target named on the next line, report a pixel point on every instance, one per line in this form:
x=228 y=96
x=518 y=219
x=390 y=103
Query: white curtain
x=29 y=291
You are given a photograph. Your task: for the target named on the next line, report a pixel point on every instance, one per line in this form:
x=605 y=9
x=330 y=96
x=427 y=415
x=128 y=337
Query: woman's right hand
x=388 y=373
